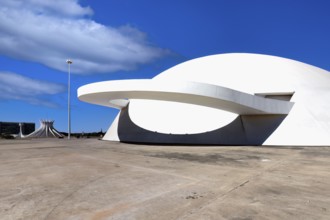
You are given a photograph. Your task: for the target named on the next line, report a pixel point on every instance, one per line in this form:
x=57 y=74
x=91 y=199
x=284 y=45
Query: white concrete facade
x=226 y=99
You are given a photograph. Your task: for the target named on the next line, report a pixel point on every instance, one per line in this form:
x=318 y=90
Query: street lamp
x=69 y=62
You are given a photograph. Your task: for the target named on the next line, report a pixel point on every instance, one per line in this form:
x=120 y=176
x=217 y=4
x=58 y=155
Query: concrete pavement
x=92 y=179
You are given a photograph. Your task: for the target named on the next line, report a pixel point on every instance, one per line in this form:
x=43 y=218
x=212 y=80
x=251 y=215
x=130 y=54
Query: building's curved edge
x=208 y=95
x=112 y=133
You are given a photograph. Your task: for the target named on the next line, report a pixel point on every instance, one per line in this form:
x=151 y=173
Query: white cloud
x=61 y=7
x=17 y=87
x=49 y=32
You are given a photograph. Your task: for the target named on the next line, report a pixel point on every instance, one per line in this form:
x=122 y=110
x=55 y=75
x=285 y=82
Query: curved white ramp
x=117 y=94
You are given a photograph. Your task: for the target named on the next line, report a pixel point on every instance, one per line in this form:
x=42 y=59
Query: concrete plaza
x=93 y=179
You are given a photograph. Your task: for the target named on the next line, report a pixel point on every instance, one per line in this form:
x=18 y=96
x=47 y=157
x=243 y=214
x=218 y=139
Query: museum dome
x=249 y=73
x=234 y=98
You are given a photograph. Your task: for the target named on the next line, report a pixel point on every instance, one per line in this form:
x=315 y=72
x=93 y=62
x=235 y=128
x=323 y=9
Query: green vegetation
x=6 y=136
x=85 y=135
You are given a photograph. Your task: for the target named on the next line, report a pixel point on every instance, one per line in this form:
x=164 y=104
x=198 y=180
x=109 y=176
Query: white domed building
x=226 y=99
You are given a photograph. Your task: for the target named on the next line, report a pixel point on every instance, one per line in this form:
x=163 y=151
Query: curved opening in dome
x=177 y=118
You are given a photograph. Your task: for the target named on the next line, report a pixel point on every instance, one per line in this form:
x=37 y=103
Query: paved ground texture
x=92 y=179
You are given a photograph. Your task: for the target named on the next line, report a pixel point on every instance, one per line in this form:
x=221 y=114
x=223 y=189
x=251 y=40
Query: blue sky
x=122 y=39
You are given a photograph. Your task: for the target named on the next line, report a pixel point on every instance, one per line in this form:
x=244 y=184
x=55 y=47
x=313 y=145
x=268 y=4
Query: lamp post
x=69 y=62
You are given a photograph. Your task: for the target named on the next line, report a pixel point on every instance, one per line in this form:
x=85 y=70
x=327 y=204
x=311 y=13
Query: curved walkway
x=117 y=94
